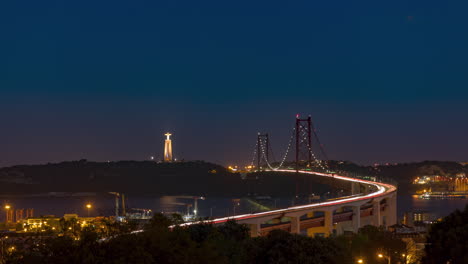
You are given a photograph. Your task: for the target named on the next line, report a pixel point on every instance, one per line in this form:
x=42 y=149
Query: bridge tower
x=303 y=136
x=303 y=141
x=263 y=145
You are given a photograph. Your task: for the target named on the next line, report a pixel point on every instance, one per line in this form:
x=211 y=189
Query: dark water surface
x=103 y=204
x=437 y=207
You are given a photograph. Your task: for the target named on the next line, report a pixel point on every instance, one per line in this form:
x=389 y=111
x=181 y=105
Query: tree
x=371 y=241
x=282 y=247
x=447 y=241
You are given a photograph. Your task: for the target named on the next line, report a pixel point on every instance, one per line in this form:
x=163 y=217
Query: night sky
x=384 y=81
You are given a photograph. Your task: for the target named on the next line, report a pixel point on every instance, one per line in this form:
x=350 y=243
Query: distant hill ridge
x=142 y=177
x=187 y=178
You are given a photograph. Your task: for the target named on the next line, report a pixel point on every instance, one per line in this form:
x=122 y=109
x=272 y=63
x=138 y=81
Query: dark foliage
x=447 y=241
x=162 y=242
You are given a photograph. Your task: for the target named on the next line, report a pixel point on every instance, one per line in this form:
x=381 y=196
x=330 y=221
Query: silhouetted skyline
x=384 y=82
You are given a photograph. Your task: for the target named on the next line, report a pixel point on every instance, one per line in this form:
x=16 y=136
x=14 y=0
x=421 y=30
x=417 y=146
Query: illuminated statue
x=168 y=148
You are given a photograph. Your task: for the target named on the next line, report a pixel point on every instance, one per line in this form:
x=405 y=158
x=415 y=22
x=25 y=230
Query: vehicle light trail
x=382 y=189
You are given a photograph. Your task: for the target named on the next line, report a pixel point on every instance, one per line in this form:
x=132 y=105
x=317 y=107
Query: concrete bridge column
x=356 y=218
x=295 y=225
x=328 y=222
x=355 y=188
x=367 y=188
x=254 y=229
x=392 y=210
x=376 y=213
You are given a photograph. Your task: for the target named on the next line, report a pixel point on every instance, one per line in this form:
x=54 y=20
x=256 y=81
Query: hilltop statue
x=168 y=148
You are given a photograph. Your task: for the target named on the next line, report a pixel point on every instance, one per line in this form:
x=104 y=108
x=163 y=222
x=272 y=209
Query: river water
x=436 y=207
x=104 y=205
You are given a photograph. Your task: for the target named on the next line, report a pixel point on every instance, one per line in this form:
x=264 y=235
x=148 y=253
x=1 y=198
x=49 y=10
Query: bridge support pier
x=328 y=222
x=356 y=218
x=324 y=230
x=355 y=188
x=367 y=188
x=295 y=225
x=254 y=230
x=392 y=211
x=376 y=213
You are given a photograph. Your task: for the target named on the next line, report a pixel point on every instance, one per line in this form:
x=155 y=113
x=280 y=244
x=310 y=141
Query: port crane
x=195 y=202
x=117 y=198
x=188 y=205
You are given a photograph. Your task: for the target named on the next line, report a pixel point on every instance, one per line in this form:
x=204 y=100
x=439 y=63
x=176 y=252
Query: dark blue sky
x=103 y=80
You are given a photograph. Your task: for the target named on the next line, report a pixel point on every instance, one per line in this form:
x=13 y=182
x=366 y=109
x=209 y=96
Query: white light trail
x=382 y=189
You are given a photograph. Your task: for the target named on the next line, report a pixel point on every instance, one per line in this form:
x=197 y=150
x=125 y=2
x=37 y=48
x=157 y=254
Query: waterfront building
x=53 y=223
x=461 y=184
x=411 y=219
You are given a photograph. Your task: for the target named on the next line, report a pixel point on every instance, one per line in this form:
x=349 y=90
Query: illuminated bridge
x=370 y=202
x=375 y=207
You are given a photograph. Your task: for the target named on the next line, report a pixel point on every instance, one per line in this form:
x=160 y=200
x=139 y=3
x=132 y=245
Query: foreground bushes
x=165 y=240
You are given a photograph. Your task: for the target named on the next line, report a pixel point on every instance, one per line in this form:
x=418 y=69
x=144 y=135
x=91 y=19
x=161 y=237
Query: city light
x=232 y=168
x=380 y=255
x=360 y=261
x=88 y=206
x=7 y=206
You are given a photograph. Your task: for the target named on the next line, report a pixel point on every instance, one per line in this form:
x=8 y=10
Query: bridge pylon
x=303 y=136
x=303 y=141
x=263 y=145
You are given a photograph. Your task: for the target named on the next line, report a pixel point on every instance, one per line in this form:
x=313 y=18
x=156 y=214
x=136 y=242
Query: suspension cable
x=322 y=149
x=262 y=146
x=254 y=154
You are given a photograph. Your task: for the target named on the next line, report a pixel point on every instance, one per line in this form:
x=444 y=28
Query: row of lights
x=88 y=206
x=264 y=156
x=287 y=150
x=304 y=138
x=284 y=157
x=319 y=162
x=286 y=154
x=379 y=255
x=254 y=154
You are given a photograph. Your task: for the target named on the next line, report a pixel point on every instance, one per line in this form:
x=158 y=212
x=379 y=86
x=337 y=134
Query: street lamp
x=360 y=261
x=405 y=258
x=380 y=255
x=7 y=208
x=88 y=206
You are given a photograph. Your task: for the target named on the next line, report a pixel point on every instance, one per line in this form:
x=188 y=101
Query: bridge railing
x=373 y=178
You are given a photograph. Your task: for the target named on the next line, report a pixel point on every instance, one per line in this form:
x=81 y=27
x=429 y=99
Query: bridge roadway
x=375 y=207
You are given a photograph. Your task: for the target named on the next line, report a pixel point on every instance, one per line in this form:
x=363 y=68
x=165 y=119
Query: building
x=53 y=223
x=168 y=148
x=412 y=218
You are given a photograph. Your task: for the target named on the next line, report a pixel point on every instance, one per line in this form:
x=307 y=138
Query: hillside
x=140 y=177
x=191 y=178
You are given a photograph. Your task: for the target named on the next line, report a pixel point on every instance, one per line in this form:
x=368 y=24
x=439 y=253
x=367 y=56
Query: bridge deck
x=382 y=190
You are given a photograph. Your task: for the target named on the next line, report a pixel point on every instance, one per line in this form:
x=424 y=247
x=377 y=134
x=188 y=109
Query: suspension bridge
x=370 y=202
